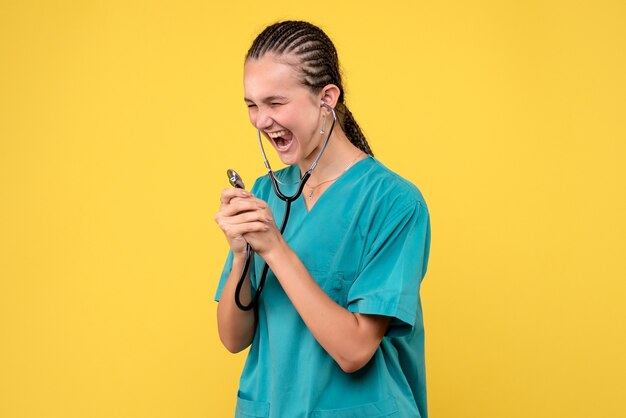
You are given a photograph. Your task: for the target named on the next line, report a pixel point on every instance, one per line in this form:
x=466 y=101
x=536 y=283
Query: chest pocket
x=334 y=285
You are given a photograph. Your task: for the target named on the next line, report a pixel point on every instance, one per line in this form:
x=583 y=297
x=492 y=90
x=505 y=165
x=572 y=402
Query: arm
x=238 y=214
x=351 y=339
x=402 y=239
x=235 y=327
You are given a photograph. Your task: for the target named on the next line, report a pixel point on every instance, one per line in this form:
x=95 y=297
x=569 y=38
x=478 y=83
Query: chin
x=288 y=159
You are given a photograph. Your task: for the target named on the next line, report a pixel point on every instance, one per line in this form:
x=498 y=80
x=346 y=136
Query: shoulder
x=390 y=190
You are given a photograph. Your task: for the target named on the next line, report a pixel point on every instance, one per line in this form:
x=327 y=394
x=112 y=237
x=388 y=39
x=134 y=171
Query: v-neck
x=335 y=184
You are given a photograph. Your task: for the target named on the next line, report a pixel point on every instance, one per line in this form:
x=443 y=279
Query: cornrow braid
x=318 y=64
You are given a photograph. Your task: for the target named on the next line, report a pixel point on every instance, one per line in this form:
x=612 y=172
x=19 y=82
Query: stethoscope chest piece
x=234 y=179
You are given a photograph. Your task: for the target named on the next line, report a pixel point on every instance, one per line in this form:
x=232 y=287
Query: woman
x=338 y=329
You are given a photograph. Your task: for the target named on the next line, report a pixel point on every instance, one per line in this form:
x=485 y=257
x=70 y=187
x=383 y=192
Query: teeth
x=278 y=134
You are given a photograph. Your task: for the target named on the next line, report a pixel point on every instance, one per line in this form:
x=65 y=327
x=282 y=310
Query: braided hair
x=319 y=65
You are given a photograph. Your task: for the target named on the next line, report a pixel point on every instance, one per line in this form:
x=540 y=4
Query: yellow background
x=118 y=120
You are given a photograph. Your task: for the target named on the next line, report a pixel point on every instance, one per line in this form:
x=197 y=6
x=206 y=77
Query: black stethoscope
x=236 y=181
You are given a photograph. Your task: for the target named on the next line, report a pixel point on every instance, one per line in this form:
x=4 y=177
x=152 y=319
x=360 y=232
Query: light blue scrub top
x=366 y=242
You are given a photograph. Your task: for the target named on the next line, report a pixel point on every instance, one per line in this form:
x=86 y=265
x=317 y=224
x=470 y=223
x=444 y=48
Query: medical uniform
x=365 y=242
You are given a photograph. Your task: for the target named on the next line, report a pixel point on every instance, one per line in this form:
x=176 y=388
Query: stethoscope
x=236 y=181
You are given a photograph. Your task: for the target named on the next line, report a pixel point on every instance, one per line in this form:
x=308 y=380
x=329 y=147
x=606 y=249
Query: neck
x=339 y=153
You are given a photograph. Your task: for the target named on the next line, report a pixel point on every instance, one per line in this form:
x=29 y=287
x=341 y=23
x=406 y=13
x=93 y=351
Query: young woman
x=338 y=329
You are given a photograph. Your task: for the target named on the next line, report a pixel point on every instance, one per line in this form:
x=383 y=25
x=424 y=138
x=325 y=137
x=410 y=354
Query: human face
x=286 y=112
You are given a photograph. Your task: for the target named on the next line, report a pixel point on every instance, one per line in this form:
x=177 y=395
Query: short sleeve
x=393 y=268
x=228 y=265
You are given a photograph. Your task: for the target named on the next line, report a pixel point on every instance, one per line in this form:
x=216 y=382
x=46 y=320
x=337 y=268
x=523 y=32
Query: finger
x=228 y=194
x=251 y=198
x=251 y=203
x=239 y=206
x=226 y=220
x=240 y=199
x=238 y=230
x=255 y=216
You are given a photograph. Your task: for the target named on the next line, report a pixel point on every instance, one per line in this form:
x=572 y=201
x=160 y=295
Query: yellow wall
x=118 y=120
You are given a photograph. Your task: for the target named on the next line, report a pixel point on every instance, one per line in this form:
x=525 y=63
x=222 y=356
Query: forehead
x=270 y=76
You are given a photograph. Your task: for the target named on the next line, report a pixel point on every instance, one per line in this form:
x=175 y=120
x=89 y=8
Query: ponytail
x=352 y=129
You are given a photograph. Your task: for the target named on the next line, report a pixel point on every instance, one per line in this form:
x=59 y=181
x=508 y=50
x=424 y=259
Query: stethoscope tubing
x=288 y=201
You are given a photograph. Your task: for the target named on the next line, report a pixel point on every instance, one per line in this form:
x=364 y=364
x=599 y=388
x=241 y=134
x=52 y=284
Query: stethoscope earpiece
x=328 y=107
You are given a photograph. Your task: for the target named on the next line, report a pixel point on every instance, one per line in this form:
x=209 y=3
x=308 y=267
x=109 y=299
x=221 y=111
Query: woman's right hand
x=239 y=214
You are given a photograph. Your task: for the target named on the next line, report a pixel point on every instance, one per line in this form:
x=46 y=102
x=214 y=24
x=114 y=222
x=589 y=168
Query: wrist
x=277 y=253
x=239 y=259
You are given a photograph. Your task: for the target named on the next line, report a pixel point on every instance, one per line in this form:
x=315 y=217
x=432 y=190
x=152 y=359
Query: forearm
x=351 y=339
x=236 y=327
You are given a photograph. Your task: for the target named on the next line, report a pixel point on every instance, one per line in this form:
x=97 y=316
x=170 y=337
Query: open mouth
x=281 y=139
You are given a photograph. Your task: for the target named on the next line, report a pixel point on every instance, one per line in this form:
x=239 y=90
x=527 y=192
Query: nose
x=263 y=120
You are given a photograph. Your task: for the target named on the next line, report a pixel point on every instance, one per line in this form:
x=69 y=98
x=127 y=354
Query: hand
x=240 y=213
x=265 y=239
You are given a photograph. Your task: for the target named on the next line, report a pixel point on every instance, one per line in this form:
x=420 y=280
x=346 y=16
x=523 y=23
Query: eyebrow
x=268 y=99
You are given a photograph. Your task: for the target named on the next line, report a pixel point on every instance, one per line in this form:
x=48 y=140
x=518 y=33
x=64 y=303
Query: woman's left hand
x=264 y=241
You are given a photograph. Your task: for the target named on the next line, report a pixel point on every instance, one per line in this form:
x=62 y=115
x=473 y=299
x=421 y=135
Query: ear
x=330 y=95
